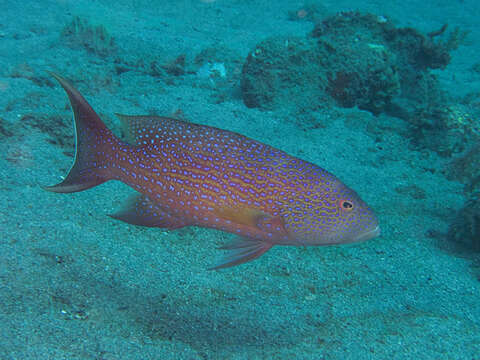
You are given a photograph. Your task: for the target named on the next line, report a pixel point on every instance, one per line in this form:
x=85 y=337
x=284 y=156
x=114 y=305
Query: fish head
x=333 y=214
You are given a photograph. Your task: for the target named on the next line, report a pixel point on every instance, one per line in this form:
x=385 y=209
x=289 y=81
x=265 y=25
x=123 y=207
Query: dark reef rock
x=361 y=72
x=351 y=59
x=362 y=60
x=465 y=168
x=320 y=70
x=448 y=128
x=465 y=229
x=284 y=71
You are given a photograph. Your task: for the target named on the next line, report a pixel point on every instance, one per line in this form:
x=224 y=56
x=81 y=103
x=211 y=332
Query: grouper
x=188 y=174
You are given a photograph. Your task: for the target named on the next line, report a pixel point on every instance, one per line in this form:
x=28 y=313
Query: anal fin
x=142 y=211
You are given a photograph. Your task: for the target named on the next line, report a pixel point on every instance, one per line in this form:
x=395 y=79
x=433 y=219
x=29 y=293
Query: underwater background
x=383 y=94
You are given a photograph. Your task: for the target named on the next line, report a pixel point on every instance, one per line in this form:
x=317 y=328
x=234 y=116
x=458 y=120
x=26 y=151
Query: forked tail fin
x=94 y=146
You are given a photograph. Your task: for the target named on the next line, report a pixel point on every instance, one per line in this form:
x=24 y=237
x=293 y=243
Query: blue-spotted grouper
x=188 y=174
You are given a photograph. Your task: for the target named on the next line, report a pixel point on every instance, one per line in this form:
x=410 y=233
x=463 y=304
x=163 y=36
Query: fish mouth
x=368 y=235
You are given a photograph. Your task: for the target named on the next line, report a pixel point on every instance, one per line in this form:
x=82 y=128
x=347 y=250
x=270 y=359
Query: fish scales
x=197 y=168
x=191 y=174
x=204 y=168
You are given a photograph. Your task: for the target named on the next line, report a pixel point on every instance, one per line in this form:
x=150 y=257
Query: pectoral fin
x=242 y=216
x=253 y=218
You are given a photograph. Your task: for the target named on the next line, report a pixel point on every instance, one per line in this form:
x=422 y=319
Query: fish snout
x=367 y=235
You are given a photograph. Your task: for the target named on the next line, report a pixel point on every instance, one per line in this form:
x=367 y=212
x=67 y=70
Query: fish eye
x=345 y=205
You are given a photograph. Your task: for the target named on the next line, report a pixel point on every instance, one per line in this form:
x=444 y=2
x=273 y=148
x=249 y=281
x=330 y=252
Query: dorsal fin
x=136 y=126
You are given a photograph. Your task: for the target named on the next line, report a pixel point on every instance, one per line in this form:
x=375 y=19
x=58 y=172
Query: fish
x=188 y=174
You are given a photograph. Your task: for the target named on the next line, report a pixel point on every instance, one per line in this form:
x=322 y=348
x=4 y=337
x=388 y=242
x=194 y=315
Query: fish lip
x=368 y=235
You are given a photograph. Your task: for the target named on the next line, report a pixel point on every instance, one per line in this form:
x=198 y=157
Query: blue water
x=75 y=284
